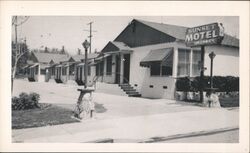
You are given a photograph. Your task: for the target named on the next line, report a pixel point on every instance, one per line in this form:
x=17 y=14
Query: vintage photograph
x=125 y=79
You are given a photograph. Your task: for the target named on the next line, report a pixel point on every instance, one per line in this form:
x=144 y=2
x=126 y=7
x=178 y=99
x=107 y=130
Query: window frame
x=161 y=70
x=199 y=51
x=185 y=64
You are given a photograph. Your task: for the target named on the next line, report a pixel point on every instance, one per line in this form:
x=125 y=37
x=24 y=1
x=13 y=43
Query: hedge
x=222 y=83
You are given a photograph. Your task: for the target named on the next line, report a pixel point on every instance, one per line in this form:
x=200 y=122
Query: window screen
x=183 y=62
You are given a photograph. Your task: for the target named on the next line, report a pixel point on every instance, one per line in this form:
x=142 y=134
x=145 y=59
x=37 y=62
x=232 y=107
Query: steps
x=130 y=91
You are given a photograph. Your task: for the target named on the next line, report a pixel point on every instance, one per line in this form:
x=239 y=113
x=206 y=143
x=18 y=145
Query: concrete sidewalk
x=132 y=129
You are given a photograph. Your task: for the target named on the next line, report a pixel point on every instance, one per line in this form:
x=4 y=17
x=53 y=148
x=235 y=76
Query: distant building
x=149 y=57
x=38 y=62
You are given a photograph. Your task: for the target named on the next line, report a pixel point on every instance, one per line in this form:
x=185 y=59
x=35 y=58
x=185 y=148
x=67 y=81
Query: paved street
x=231 y=136
x=125 y=119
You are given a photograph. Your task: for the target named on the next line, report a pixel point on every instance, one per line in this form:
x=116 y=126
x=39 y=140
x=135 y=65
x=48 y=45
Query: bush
x=25 y=101
x=183 y=84
x=223 y=84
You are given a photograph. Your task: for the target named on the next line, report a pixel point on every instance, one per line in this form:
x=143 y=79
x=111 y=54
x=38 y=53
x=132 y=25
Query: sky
x=71 y=31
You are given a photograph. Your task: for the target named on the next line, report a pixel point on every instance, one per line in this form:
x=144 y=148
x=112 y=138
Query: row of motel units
x=151 y=56
x=58 y=67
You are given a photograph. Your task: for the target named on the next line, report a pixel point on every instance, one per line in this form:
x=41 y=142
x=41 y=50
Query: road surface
x=222 y=137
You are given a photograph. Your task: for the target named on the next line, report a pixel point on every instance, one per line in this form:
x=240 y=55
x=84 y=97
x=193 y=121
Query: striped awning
x=164 y=56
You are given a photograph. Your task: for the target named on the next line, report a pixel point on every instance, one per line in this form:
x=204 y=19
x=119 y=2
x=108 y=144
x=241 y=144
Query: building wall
x=140 y=76
x=226 y=61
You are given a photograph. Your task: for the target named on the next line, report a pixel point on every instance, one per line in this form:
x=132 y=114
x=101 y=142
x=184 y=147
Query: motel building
x=38 y=66
x=147 y=58
x=70 y=70
x=78 y=62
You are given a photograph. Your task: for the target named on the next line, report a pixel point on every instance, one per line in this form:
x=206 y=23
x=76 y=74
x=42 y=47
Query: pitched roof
x=47 y=57
x=179 y=32
x=172 y=30
x=121 y=45
x=78 y=58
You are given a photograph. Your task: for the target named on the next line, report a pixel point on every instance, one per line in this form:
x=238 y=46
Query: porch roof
x=33 y=65
x=165 y=56
x=117 y=52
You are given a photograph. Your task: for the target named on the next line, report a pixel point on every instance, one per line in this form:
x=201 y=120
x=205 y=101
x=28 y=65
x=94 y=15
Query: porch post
x=121 y=67
x=174 y=70
x=104 y=68
x=175 y=62
x=113 y=72
x=191 y=63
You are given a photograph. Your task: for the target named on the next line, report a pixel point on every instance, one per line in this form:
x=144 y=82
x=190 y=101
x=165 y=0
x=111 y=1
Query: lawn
x=47 y=114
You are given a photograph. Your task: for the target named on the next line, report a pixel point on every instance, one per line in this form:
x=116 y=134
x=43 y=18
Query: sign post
x=202 y=73
x=210 y=34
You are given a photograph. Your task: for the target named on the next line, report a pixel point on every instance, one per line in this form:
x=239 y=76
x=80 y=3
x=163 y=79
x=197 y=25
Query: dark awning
x=164 y=56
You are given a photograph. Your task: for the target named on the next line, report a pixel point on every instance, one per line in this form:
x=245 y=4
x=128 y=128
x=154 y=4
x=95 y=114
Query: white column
x=121 y=68
x=191 y=61
x=104 y=68
x=175 y=62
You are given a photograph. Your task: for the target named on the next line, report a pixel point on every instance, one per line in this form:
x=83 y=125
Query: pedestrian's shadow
x=99 y=108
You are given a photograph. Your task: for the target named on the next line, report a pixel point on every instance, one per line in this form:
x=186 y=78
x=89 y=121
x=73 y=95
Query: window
x=109 y=65
x=157 y=69
x=196 y=60
x=183 y=62
x=166 y=70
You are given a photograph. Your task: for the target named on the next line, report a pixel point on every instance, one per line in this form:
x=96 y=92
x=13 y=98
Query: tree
x=55 y=50
x=79 y=51
x=63 y=50
x=46 y=50
x=18 y=50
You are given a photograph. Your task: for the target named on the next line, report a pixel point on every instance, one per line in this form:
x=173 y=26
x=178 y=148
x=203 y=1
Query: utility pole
x=90 y=34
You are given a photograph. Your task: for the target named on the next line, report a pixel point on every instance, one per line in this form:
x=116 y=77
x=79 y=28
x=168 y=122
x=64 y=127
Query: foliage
x=183 y=84
x=22 y=61
x=25 y=101
x=223 y=84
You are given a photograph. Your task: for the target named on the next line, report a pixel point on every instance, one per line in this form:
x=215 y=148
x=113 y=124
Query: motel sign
x=209 y=34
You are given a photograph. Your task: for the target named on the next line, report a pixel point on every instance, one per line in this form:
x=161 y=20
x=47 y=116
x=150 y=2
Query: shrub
x=223 y=84
x=183 y=84
x=25 y=101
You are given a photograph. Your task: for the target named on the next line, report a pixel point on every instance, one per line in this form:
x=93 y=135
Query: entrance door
x=58 y=73
x=126 y=69
x=80 y=77
x=117 y=69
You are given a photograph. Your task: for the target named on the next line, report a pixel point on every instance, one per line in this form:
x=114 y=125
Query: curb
x=187 y=135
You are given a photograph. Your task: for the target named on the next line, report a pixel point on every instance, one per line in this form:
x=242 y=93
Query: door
x=117 y=69
x=80 y=69
x=126 y=69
